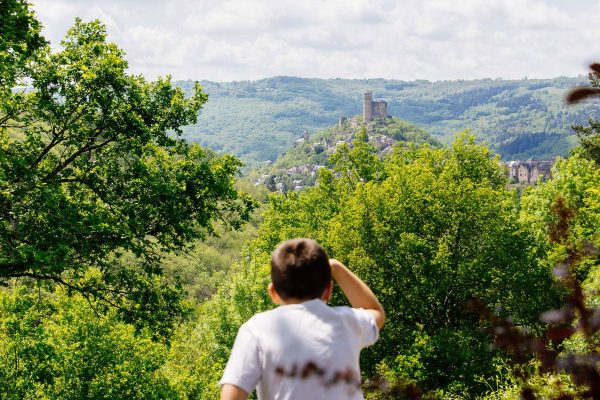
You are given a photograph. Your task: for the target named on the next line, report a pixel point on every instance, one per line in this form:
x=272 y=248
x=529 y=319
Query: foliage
x=202 y=269
x=429 y=230
x=575 y=183
x=361 y=164
x=199 y=352
x=589 y=136
x=573 y=374
x=90 y=171
x=259 y=120
x=563 y=212
x=20 y=38
x=56 y=346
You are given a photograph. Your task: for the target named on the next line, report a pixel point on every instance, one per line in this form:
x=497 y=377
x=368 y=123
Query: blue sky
x=409 y=39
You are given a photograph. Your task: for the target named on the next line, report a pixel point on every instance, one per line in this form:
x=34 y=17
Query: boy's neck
x=294 y=301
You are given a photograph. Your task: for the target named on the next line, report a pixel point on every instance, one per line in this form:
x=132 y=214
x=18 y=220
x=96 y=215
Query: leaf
x=560 y=333
x=581 y=93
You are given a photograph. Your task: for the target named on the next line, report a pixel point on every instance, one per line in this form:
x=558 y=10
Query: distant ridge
x=520 y=119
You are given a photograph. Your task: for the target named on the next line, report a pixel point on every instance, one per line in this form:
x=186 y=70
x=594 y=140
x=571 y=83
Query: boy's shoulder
x=292 y=313
x=315 y=306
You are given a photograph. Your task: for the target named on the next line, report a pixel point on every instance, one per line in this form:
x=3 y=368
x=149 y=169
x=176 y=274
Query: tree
x=438 y=231
x=58 y=348
x=564 y=214
x=91 y=169
x=20 y=38
x=432 y=230
x=575 y=185
x=589 y=136
x=359 y=163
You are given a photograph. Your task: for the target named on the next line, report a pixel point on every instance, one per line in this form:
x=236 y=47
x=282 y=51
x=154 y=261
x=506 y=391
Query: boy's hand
x=357 y=292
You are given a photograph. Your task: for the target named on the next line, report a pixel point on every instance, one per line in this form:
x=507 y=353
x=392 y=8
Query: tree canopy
x=103 y=207
x=91 y=169
x=428 y=229
x=589 y=135
x=20 y=39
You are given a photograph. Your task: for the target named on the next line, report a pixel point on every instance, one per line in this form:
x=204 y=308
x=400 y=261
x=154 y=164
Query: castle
x=373 y=109
x=529 y=172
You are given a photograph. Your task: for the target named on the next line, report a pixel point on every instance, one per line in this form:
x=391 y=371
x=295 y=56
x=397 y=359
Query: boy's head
x=300 y=269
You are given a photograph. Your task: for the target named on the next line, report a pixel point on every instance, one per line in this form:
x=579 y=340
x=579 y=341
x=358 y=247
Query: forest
x=519 y=119
x=129 y=257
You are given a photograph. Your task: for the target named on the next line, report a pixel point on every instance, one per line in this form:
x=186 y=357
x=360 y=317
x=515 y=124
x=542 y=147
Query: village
x=520 y=173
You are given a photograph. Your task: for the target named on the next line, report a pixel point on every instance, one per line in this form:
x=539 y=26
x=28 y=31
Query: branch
x=85 y=291
x=53 y=278
x=55 y=141
x=16 y=266
x=93 y=189
x=86 y=148
x=4 y=119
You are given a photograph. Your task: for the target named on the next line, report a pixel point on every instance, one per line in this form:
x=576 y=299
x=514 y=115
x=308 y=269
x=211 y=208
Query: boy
x=304 y=349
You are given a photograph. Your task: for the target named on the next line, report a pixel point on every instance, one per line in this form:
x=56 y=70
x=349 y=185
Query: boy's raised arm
x=357 y=292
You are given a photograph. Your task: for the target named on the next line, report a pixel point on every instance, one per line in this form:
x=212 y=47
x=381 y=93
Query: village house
x=529 y=172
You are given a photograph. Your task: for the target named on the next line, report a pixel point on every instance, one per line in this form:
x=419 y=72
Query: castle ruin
x=373 y=109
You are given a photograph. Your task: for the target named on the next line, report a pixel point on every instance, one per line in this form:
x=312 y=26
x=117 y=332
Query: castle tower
x=368 y=106
x=380 y=109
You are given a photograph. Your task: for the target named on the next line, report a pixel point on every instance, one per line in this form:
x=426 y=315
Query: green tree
x=91 y=169
x=200 y=351
x=576 y=183
x=20 y=39
x=359 y=163
x=440 y=230
x=563 y=213
x=431 y=231
x=589 y=136
x=58 y=348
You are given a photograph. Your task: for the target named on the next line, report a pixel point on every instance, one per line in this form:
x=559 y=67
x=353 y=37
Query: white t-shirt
x=302 y=351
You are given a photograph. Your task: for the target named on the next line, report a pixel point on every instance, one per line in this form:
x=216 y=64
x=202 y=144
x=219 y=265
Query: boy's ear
x=273 y=294
x=327 y=292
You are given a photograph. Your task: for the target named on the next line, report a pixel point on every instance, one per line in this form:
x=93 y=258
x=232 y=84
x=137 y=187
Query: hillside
x=297 y=167
x=257 y=120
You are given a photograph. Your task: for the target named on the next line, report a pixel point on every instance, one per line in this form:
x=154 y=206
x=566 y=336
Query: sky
x=229 y=40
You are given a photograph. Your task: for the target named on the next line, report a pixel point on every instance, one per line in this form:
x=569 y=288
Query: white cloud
x=412 y=39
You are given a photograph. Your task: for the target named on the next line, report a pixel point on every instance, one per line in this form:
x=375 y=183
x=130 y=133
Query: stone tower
x=367 y=106
x=373 y=108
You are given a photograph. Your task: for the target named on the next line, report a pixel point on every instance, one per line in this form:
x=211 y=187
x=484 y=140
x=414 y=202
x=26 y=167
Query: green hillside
x=257 y=120
x=315 y=149
x=297 y=167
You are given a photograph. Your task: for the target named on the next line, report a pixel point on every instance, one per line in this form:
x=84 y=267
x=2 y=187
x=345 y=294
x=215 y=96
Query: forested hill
x=257 y=120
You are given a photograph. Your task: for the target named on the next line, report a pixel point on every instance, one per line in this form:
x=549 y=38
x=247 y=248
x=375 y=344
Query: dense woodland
x=519 y=119
x=130 y=257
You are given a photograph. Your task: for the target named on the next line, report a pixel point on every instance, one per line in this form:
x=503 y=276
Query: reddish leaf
x=560 y=333
x=581 y=93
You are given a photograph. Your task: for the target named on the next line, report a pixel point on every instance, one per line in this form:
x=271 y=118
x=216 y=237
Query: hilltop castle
x=373 y=109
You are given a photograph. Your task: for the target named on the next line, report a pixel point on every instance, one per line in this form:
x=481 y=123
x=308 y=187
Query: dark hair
x=300 y=269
